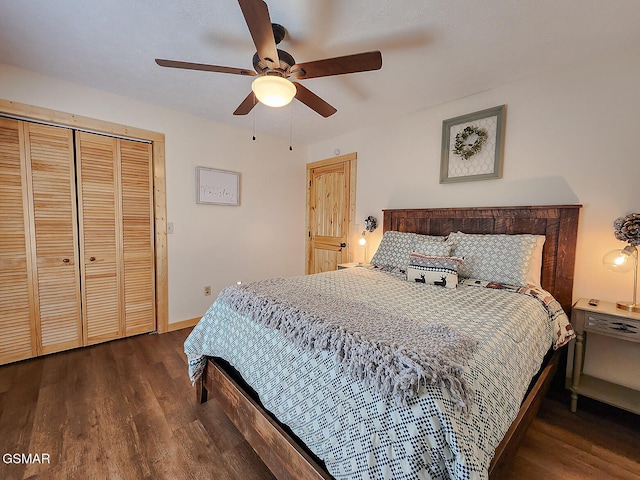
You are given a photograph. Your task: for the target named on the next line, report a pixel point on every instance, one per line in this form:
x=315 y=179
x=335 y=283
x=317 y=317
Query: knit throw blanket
x=395 y=355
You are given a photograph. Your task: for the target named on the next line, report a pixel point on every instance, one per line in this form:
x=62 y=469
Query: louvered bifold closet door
x=49 y=153
x=138 y=236
x=100 y=237
x=116 y=236
x=17 y=332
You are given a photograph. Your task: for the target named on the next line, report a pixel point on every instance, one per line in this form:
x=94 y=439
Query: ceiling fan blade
x=359 y=62
x=313 y=101
x=204 y=67
x=247 y=105
x=256 y=14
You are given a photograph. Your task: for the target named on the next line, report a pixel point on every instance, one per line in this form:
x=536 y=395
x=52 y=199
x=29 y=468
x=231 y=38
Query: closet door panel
x=138 y=236
x=17 y=332
x=100 y=234
x=49 y=151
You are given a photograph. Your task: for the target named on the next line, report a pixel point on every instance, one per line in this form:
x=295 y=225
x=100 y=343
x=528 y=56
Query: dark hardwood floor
x=126 y=410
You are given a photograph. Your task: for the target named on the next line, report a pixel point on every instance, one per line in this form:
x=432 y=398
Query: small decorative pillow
x=441 y=271
x=496 y=258
x=395 y=247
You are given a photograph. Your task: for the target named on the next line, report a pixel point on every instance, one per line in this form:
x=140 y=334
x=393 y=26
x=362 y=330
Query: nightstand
x=608 y=321
x=347 y=265
x=353 y=264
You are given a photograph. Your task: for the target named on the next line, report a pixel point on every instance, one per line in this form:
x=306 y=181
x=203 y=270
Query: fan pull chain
x=254 y=117
x=290 y=125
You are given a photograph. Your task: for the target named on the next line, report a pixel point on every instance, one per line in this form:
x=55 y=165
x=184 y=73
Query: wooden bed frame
x=287 y=458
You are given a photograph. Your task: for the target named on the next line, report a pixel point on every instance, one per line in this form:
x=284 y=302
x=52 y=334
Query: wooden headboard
x=558 y=223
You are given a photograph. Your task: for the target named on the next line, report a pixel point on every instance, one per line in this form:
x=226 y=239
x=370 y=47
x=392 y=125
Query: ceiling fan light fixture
x=273 y=91
x=274 y=66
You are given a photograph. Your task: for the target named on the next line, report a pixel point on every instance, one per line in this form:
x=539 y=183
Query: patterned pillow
x=395 y=247
x=442 y=271
x=535 y=269
x=497 y=258
x=434 y=248
x=429 y=238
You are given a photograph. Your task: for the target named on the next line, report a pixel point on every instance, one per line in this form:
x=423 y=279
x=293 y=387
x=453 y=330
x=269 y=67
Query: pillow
x=535 y=269
x=395 y=247
x=442 y=271
x=497 y=258
x=429 y=238
x=434 y=248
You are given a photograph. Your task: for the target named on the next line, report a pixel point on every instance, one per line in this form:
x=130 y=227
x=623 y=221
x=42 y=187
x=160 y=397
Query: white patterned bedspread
x=356 y=432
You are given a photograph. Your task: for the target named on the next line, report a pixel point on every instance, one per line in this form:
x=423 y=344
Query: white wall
x=212 y=245
x=572 y=136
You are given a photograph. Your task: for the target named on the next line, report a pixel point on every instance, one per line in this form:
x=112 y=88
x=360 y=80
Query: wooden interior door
x=138 y=235
x=117 y=236
x=49 y=155
x=17 y=332
x=37 y=184
x=100 y=237
x=330 y=209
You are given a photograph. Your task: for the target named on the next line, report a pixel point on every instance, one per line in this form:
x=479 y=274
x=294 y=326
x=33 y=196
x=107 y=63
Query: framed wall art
x=217 y=187
x=472 y=146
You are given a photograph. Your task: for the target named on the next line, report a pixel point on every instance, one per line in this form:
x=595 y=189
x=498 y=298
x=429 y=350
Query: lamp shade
x=619 y=260
x=625 y=260
x=363 y=243
x=273 y=91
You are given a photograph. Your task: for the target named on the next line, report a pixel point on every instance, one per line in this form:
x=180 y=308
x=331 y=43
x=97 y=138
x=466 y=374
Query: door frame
x=23 y=111
x=352 y=158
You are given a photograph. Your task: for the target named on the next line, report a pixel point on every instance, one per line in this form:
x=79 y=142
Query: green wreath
x=468 y=150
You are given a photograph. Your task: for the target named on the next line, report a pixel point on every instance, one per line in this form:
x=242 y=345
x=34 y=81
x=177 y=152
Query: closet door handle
x=92 y=259
x=65 y=260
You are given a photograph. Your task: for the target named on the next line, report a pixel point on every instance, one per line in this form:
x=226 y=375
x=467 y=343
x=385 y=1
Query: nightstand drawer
x=612 y=326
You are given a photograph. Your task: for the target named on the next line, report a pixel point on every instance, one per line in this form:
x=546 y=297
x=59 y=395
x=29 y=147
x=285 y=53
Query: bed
x=278 y=440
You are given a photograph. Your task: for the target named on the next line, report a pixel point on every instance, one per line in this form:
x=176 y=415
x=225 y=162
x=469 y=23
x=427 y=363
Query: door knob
x=92 y=259
x=65 y=260
x=343 y=244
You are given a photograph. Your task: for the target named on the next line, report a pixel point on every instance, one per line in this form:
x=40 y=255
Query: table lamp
x=626 y=259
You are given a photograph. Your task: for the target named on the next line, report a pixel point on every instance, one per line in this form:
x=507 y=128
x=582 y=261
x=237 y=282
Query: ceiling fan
x=273 y=67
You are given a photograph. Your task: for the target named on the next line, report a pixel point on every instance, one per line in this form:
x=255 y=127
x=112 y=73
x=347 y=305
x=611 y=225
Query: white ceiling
x=434 y=51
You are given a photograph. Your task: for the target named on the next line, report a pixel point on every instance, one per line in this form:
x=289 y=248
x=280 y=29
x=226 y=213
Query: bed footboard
x=508 y=447
x=278 y=450
x=286 y=459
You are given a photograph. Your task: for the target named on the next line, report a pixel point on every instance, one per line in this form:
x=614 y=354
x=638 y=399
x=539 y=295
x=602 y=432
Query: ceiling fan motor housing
x=286 y=62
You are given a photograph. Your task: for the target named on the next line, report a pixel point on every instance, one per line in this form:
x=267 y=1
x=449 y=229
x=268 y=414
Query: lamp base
x=628 y=306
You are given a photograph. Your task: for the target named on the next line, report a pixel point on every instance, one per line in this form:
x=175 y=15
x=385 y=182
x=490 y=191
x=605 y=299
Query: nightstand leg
x=577 y=370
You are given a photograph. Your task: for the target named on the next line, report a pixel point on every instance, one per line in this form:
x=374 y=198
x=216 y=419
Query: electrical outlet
x=207 y=291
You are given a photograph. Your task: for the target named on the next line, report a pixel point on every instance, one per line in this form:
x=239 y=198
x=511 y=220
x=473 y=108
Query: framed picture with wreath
x=472 y=146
